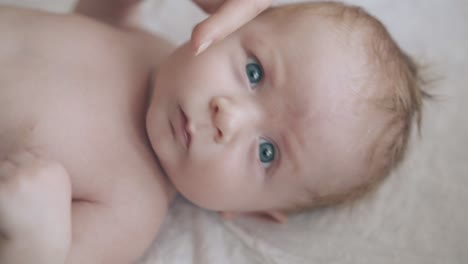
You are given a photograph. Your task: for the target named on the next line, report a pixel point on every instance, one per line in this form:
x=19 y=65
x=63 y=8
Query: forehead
x=314 y=97
x=306 y=55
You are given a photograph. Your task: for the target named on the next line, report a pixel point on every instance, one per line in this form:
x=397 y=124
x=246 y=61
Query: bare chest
x=83 y=105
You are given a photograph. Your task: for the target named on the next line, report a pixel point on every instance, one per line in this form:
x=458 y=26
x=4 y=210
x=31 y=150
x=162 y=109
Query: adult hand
x=226 y=16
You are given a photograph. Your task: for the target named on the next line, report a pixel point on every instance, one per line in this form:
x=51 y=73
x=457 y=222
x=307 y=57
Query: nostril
x=220 y=137
x=214 y=106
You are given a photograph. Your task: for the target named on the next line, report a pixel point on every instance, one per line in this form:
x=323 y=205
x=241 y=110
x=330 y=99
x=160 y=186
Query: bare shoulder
x=46 y=27
x=41 y=32
x=34 y=19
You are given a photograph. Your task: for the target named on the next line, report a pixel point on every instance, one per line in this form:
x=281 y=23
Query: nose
x=228 y=118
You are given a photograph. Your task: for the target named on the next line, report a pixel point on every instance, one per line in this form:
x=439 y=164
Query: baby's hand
x=35 y=200
x=226 y=17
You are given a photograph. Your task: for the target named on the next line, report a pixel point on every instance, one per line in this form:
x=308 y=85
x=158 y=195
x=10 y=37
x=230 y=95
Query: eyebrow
x=150 y=88
x=286 y=151
x=274 y=70
x=283 y=152
x=277 y=69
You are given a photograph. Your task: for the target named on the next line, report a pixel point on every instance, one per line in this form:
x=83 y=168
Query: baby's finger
x=228 y=18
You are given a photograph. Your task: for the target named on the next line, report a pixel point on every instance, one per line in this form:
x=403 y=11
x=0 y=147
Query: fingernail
x=203 y=47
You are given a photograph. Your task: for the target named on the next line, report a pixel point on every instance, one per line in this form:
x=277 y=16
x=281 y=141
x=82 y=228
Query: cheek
x=189 y=75
x=216 y=183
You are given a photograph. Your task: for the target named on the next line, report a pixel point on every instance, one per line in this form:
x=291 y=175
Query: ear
x=271 y=216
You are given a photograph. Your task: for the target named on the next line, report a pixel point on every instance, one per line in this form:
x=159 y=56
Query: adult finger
x=228 y=18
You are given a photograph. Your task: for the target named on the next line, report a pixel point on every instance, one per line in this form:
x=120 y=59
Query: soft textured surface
x=418 y=216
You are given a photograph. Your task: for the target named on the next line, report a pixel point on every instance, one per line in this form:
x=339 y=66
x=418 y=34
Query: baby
x=308 y=105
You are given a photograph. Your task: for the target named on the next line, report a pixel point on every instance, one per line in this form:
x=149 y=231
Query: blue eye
x=254 y=72
x=266 y=152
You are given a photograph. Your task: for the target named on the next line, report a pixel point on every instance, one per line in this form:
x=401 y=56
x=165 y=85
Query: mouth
x=181 y=130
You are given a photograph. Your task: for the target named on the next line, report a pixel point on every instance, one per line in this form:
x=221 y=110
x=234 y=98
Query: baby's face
x=263 y=119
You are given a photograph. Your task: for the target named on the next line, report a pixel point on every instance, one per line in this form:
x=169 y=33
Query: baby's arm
x=119 y=228
x=40 y=224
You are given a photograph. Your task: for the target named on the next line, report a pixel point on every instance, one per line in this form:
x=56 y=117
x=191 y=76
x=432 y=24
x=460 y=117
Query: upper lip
x=187 y=137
